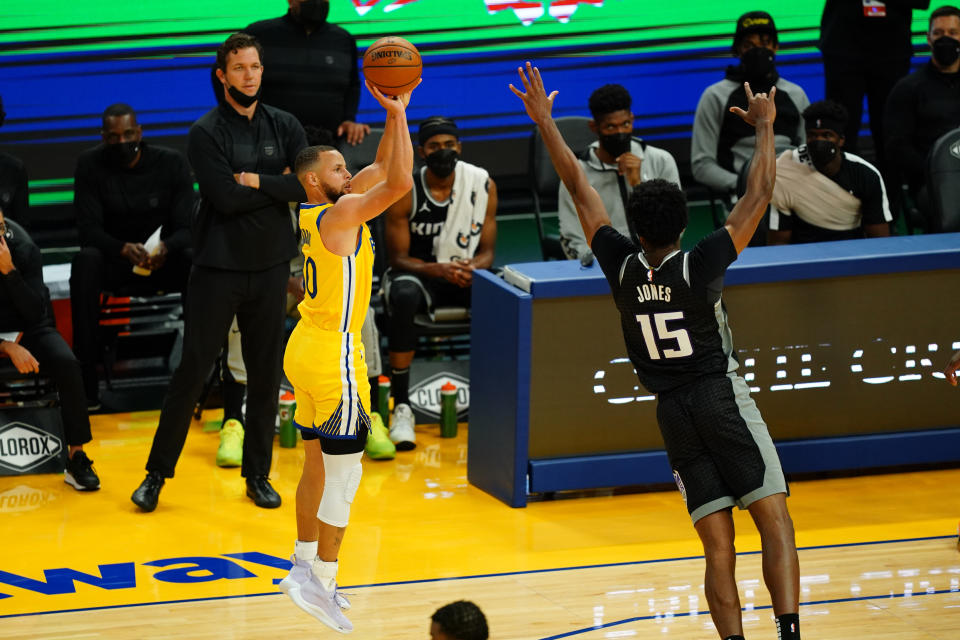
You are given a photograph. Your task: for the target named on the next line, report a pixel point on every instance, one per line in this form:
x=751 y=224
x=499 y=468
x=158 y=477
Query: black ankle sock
x=734 y=638
x=400 y=385
x=374 y=395
x=788 y=626
x=233 y=393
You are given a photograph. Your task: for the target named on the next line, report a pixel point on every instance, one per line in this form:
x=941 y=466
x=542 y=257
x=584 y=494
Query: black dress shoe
x=148 y=492
x=262 y=494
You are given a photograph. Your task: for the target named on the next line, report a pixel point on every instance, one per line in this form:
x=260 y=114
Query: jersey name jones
x=649 y=292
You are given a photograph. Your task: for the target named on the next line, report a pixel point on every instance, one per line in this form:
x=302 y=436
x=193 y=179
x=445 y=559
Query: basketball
x=392 y=65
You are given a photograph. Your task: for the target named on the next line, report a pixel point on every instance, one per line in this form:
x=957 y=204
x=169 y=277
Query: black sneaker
x=262 y=494
x=148 y=492
x=79 y=473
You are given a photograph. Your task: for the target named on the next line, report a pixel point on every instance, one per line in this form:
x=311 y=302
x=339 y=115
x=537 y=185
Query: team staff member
x=313 y=68
x=242 y=152
x=124 y=189
x=25 y=309
x=13 y=184
x=866 y=48
x=926 y=104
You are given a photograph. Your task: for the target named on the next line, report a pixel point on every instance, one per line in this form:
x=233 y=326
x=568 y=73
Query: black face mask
x=759 y=68
x=945 y=50
x=314 y=12
x=616 y=144
x=241 y=98
x=821 y=152
x=121 y=154
x=442 y=162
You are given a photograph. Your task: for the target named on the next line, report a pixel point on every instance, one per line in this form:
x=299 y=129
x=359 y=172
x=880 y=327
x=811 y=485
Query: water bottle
x=383 y=399
x=448 y=410
x=288 y=432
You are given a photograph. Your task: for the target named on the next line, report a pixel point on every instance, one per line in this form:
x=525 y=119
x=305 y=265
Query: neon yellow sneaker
x=230 y=452
x=379 y=446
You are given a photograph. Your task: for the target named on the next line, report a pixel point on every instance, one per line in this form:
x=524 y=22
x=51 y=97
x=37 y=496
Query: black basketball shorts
x=718 y=445
x=339 y=446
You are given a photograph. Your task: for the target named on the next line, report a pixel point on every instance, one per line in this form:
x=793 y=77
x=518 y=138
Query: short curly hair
x=657 y=211
x=609 y=98
x=833 y=114
x=462 y=620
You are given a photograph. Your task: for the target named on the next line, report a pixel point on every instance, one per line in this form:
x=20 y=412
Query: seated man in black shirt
x=13 y=184
x=823 y=192
x=124 y=190
x=678 y=339
x=25 y=309
x=437 y=235
x=926 y=104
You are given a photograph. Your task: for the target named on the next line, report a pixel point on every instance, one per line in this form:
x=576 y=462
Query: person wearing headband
x=823 y=192
x=437 y=235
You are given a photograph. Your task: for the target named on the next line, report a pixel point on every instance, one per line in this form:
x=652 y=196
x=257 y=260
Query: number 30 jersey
x=673 y=319
x=337 y=288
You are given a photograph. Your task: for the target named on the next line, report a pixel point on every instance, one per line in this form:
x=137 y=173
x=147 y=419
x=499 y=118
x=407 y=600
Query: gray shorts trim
x=773 y=478
x=774 y=481
x=711 y=507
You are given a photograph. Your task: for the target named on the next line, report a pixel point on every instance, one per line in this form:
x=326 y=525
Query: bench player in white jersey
x=677 y=337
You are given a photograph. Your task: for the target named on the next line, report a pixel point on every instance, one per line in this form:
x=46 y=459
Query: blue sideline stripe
x=518 y=573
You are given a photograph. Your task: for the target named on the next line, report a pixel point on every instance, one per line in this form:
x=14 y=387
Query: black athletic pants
x=214 y=296
x=92 y=273
x=59 y=364
x=406 y=299
x=847 y=81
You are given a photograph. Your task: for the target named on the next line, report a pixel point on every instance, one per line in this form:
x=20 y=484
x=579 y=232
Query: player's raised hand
x=535 y=99
x=393 y=104
x=761 y=108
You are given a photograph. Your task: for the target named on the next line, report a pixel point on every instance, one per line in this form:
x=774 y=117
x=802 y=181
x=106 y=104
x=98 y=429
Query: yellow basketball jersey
x=337 y=287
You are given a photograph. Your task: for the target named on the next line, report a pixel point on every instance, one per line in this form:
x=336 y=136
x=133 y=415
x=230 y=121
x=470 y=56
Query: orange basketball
x=392 y=65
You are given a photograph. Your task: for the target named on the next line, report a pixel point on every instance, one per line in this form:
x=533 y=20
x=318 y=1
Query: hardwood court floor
x=878 y=556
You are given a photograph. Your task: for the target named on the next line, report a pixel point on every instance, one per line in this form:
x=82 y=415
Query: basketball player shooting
x=675 y=327
x=324 y=359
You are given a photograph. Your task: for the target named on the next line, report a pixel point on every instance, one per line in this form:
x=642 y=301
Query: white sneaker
x=401 y=428
x=300 y=574
x=321 y=604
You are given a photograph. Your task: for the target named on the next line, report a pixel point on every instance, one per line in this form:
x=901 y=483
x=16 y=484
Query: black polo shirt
x=238 y=227
x=313 y=76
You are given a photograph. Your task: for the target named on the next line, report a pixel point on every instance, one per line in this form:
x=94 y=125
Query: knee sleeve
x=342 y=475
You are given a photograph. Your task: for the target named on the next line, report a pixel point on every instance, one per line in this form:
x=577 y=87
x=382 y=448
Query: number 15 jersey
x=673 y=320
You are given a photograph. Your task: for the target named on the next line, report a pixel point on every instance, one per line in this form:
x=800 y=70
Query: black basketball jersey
x=426 y=219
x=673 y=320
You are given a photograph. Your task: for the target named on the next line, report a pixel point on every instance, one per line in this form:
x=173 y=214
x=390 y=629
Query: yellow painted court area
x=879 y=551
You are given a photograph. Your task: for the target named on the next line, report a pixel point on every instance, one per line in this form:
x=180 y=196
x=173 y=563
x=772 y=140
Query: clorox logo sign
x=426 y=396
x=955 y=149
x=23 y=447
